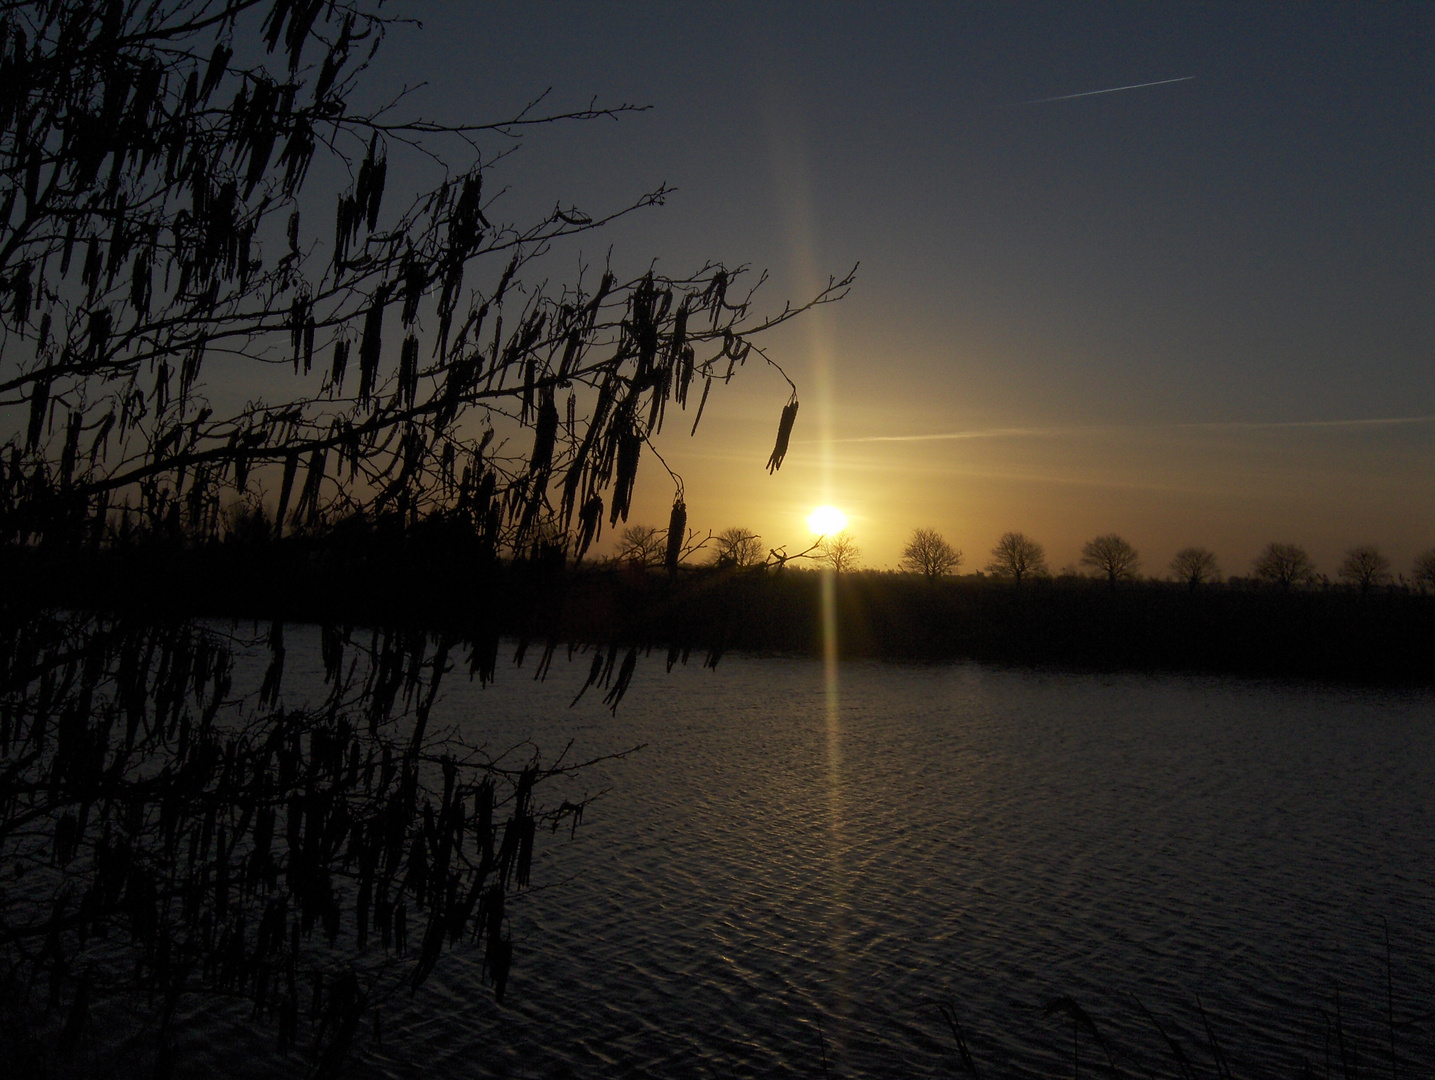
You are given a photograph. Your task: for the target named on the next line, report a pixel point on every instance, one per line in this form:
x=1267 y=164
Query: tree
x=1424 y=569
x=642 y=545
x=1365 y=567
x=927 y=553
x=1017 y=556
x=1284 y=565
x=840 y=551
x=155 y=228
x=737 y=546
x=1195 y=566
x=152 y=231
x=1112 y=556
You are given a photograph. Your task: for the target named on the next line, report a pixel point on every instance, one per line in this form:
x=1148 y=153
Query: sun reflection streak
x=792 y=187
x=837 y=856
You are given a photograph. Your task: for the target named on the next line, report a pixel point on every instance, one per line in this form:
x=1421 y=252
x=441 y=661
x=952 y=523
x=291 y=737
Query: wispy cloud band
x=1201 y=425
x=1372 y=421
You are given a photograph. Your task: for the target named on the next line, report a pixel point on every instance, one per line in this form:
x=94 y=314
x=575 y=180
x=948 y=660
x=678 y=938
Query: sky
x=1195 y=312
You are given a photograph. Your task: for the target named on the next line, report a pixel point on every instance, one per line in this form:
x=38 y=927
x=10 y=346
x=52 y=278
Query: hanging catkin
x=784 y=432
x=677 y=527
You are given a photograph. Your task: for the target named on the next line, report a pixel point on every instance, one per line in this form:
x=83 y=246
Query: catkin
x=677 y=527
x=784 y=432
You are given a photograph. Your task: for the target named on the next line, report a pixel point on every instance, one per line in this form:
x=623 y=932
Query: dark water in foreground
x=785 y=876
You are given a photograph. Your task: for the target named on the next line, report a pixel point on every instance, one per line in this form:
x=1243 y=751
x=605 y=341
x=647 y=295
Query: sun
x=826 y=520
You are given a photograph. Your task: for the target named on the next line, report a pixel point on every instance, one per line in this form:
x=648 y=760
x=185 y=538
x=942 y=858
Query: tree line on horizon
x=1017 y=557
x=1285 y=565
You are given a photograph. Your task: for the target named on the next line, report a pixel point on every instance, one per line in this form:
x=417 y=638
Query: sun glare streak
x=832 y=699
x=793 y=188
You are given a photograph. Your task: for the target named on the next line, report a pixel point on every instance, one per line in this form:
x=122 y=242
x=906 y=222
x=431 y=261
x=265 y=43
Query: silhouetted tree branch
x=641 y=545
x=156 y=162
x=737 y=546
x=157 y=227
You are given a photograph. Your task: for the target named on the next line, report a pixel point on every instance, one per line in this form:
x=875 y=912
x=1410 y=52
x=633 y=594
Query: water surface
x=788 y=875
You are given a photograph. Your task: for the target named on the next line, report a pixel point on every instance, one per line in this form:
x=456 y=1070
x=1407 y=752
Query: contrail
x=1109 y=90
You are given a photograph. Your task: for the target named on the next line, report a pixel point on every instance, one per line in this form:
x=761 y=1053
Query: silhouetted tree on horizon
x=1112 y=556
x=641 y=545
x=1423 y=569
x=840 y=551
x=1284 y=565
x=928 y=553
x=737 y=546
x=1195 y=566
x=1017 y=556
x=1365 y=567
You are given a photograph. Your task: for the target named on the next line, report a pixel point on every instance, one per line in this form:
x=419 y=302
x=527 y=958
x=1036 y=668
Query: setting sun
x=826 y=520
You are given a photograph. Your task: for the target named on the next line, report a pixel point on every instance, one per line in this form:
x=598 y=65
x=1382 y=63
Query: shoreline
x=1333 y=634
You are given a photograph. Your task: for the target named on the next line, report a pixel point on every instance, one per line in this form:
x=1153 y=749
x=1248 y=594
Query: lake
x=793 y=871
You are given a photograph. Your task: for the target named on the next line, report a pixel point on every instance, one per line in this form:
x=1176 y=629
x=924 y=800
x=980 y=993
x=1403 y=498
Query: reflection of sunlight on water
x=837 y=850
x=793 y=185
x=790 y=850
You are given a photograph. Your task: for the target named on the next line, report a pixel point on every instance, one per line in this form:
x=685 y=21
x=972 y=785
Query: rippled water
x=787 y=876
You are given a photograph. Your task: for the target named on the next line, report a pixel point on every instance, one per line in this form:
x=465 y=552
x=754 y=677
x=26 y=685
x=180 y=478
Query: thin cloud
x=1094 y=93
x=950 y=436
x=1374 y=421
x=1207 y=425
